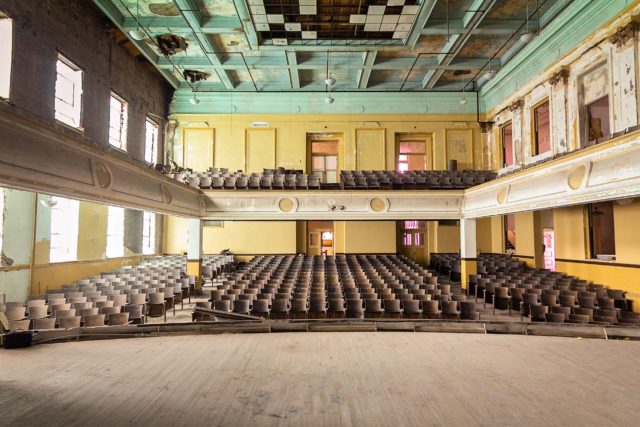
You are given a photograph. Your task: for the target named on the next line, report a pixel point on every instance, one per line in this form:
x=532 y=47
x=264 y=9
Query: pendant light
x=137 y=34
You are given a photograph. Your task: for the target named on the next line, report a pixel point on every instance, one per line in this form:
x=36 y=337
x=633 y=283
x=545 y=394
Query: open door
x=320 y=238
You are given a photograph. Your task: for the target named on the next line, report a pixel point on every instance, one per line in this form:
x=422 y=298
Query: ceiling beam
x=472 y=19
x=177 y=25
x=489 y=27
x=189 y=11
x=294 y=75
x=235 y=62
x=368 y=59
x=419 y=23
x=247 y=23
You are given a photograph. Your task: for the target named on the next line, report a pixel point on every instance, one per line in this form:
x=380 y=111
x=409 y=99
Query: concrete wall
x=79 y=31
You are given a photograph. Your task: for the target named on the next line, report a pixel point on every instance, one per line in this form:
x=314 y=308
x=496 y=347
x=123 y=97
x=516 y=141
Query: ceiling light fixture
x=137 y=34
x=194 y=100
x=329 y=99
x=527 y=36
x=48 y=202
x=330 y=81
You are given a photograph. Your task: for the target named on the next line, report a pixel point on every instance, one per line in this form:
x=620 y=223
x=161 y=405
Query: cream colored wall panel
x=370 y=149
x=260 y=150
x=199 y=148
x=459 y=147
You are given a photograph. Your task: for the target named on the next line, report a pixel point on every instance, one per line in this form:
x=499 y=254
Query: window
x=601 y=230
x=324 y=160
x=407 y=239
x=598 y=119
x=6 y=47
x=151 y=142
x=412 y=156
x=506 y=133
x=594 y=111
x=541 y=129
x=68 y=92
x=414 y=225
x=149 y=233
x=115 y=232
x=1 y=217
x=118 y=122
x=65 y=217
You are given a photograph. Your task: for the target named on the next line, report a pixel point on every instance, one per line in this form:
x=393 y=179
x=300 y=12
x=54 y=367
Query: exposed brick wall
x=78 y=30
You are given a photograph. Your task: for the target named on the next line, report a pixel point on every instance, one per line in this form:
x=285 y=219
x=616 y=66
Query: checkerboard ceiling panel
x=283 y=21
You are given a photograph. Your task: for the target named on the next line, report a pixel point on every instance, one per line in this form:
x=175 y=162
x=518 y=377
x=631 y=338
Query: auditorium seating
x=318 y=287
x=282 y=179
x=542 y=295
x=118 y=297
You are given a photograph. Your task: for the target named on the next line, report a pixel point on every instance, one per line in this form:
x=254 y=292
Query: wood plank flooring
x=323 y=379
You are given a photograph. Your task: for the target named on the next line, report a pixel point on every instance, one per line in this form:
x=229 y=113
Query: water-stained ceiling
x=364 y=45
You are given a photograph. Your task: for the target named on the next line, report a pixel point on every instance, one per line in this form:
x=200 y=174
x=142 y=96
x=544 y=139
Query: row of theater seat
x=126 y=296
x=542 y=295
x=349 y=180
x=352 y=286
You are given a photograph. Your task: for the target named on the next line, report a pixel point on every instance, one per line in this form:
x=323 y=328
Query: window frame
x=535 y=143
x=11 y=49
x=71 y=237
x=109 y=247
x=503 y=147
x=150 y=238
x=124 y=123
x=64 y=59
x=155 y=148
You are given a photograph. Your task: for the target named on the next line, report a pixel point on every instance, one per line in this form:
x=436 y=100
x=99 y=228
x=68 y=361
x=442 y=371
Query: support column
x=468 y=251
x=194 y=252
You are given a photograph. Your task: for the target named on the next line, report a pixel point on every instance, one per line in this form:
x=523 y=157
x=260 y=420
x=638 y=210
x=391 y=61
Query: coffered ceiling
x=365 y=45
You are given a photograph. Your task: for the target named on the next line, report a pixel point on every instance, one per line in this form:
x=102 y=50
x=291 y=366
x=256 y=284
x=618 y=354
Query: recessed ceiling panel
x=321 y=20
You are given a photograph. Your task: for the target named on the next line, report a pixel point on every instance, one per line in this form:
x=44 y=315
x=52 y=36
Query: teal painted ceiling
x=365 y=45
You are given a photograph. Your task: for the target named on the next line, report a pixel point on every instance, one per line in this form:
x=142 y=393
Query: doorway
x=320 y=238
x=414 y=152
x=322 y=161
x=548 y=240
x=413 y=240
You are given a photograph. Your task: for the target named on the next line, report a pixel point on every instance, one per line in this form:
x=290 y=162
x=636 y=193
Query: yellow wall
x=52 y=276
x=569 y=229
x=92 y=231
x=176 y=230
x=484 y=235
x=448 y=238
x=339 y=234
x=627 y=232
x=370 y=237
x=251 y=237
x=229 y=137
x=524 y=234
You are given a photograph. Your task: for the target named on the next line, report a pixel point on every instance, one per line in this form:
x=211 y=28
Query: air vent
x=170 y=44
x=195 y=76
x=260 y=125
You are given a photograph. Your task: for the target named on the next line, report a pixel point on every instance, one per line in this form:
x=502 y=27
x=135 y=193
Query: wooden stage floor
x=327 y=379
